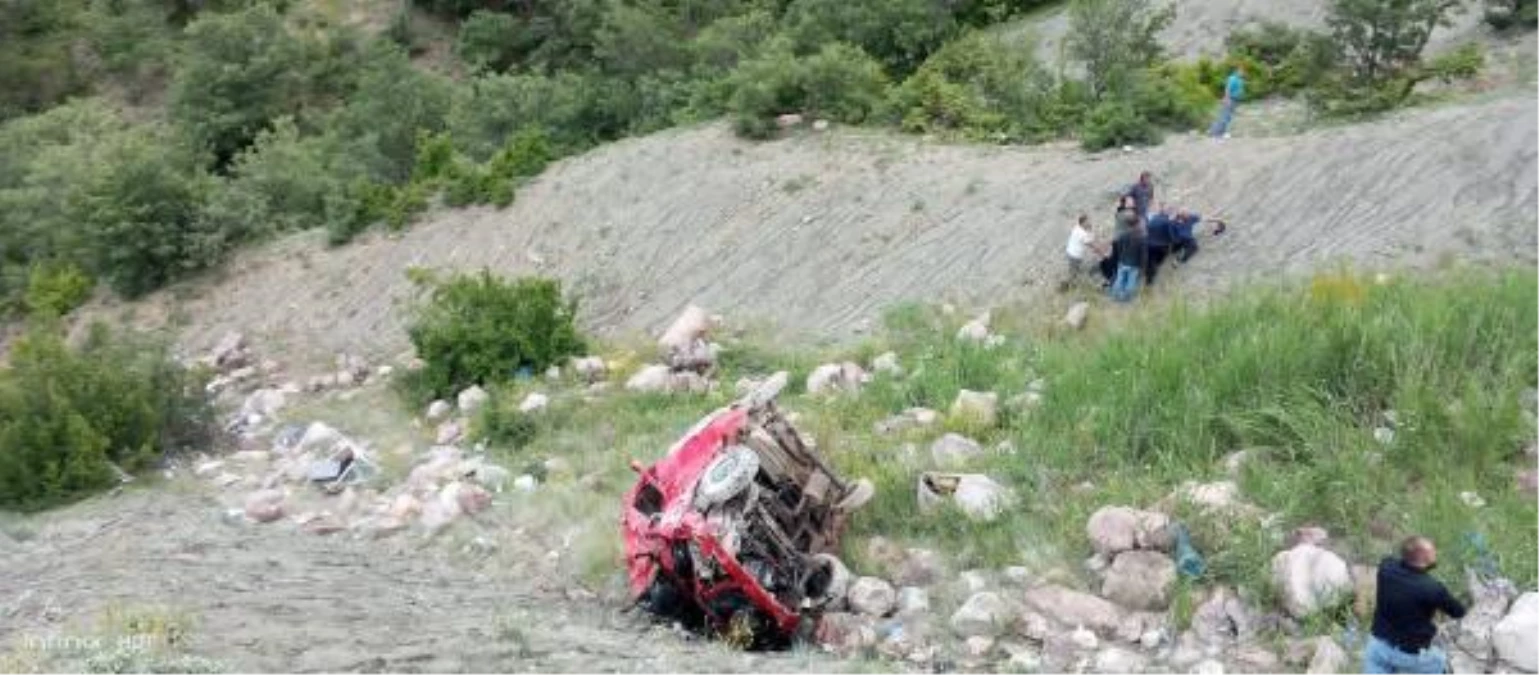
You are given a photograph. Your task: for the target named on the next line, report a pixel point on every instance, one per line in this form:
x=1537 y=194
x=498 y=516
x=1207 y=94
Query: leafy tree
x=1381 y=41
x=899 y=33
x=237 y=74
x=983 y=85
x=494 y=41
x=635 y=40
x=840 y=82
x=1511 y=14
x=381 y=122
x=37 y=68
x=1116 y=41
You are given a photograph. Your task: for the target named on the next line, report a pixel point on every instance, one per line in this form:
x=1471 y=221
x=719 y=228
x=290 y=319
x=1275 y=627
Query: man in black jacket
x=1408 y=598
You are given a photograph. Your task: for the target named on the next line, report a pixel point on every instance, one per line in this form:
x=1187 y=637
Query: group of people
x=1142 y=241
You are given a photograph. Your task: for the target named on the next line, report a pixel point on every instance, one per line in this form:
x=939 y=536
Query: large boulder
x=534 y=402
x=872 y=596
x=319 y=437
x=264 y=506
x=954 y=450
x=1140 y=580
x=919 y=567
x=1308 y=578
x=1223 y=618
x=471 y=399
x=590 y=368
x=1114 y=529
x=439 y=410
x=1489 y=607
x=846 y=633
x=1329 y=657
x=651 y=379
x=1074 y=608
x=976 y=495
x=692 y=324
x=1513 y=637
x=976 y=330
x=834 y=378
x=887 y=364
x=977 y=408
x=984 y=614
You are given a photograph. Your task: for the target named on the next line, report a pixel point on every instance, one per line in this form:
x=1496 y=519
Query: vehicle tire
x=726 y=477
x=831 y=583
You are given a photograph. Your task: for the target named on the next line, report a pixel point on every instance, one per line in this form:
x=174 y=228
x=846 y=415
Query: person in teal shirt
x=1234 y=90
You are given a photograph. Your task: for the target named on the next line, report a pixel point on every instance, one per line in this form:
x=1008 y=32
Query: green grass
x=1140 y=403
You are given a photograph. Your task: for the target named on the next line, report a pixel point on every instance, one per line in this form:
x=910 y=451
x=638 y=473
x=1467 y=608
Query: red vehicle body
x=732 y=530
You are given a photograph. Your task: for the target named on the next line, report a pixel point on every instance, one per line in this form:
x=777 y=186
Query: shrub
x=383 y=119
x=898 y=33
x=138 y=210
x=493 y=41
x=1512 y=14
x=983 y=85
x=840 y=82
x=567 y=107
x=54 y=288
x=639 y=39
x=238 y=72
x=500 y=423
x=279 y=184
x=1463 y=63
x=1175 y=97
x=1113 y=123
x=480 y=329
x=65 y=414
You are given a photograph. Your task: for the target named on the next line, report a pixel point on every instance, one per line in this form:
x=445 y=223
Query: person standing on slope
x=1408 y=597
x=1142 y=194
x=1081 y=243
x=1234 y=90
x=1132 y=254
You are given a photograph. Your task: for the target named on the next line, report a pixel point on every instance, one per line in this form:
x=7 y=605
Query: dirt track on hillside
x=265 y=598
x=820 y=232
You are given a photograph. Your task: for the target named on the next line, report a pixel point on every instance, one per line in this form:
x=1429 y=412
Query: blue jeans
x=1225 y=116
x=1383 y=657
x=1125 y=286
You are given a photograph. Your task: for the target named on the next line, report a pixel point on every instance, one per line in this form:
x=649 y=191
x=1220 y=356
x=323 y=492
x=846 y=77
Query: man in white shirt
x=1082 y=242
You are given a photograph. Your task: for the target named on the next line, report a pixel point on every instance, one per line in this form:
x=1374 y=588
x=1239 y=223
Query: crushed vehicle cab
x=735 y=529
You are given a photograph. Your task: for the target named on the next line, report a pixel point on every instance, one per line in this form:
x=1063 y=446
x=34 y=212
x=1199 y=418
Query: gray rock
x=1114 y=529
x=1513 y=636
x=887 y=364
x=913 y=600
x=1077 y=314
x=471 y=399
x=1118 y=660
x=975 y=407
x=1223 y=618
x=984 y=614
x=954 y=450
x=1308 y=578
x=872 y=596
x=1140 y=580
x=1208 y=667
x=1329 y=657
x=438 y=410
x=1073 y=608
x=919 y=567
x=264 y=506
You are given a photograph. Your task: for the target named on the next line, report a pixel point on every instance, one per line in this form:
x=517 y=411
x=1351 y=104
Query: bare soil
x=268 y=598
x=816 y=234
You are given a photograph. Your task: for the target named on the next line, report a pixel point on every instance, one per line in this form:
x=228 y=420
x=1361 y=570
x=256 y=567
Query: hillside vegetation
x=217 y=124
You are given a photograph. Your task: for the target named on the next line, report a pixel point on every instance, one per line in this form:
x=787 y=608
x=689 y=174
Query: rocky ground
x=306 y=548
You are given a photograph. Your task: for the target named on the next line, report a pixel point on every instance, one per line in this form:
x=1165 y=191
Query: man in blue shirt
x=1142 y=193
x=1183 y=239
x=1234 y=90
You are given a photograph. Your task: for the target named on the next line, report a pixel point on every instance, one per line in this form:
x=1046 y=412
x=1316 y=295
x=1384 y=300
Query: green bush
x=638 y=39
x=53 y=289
x=493 y=41
x=501 y=424
x=983 y=85
x=898 y=33
x=567 y=107
x=1463 y=63
x=1178 y=98
x=480 y=329
x=238 y=72
x=279 y=184
x=840 y=83
x=1114 y=123
x=383 y=119
x=139 y=212
x=1506 y=15
x=1278 y=58
x=66 y=413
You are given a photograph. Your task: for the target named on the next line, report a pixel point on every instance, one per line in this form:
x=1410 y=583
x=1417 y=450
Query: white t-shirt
x=1079 y=241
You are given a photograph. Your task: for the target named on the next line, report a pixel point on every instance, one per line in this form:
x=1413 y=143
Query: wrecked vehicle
x=734 y=530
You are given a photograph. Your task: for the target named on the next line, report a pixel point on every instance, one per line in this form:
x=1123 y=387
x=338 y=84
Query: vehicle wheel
x=727 y=476
x=829 y=581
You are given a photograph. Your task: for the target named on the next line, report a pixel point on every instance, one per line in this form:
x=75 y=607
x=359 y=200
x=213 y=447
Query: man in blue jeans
x=1408 y=598
x=1234 y=90
x=1132 y=252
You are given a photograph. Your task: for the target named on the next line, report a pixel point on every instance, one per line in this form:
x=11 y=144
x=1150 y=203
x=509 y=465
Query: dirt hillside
x=819 y=232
